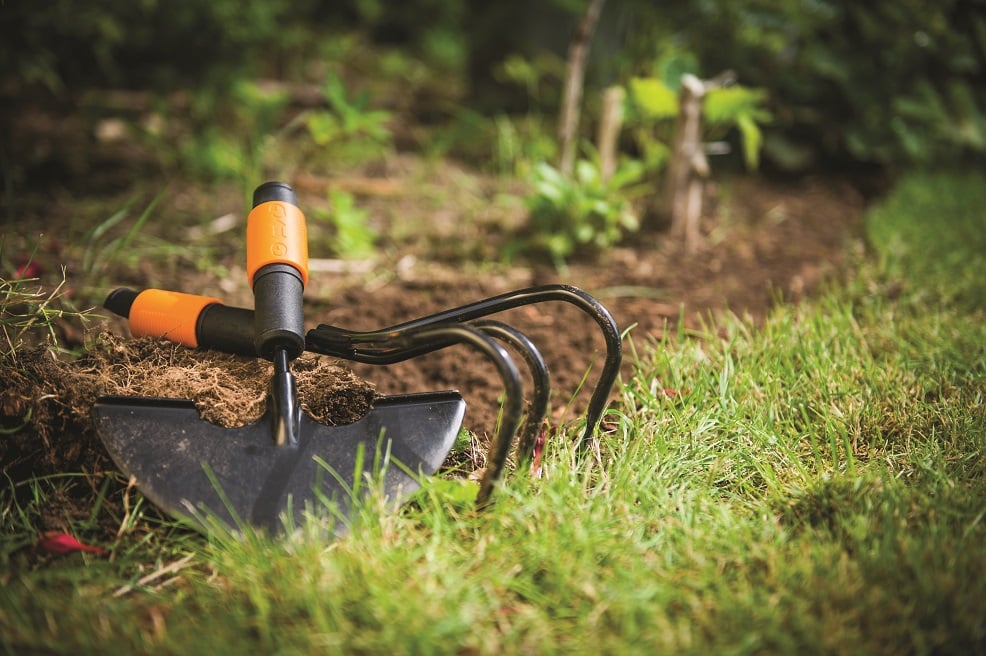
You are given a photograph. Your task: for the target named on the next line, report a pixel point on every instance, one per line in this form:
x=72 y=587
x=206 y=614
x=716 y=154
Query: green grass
x=816 y=484
x=939 y=251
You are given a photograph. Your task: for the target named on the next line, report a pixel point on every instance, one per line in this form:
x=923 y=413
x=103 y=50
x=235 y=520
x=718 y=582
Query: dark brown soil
x=779 y=244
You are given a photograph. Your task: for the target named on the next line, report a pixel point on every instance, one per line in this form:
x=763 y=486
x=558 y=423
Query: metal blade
x=200 y=471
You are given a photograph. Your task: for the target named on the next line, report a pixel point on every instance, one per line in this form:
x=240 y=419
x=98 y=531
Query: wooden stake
x=610 y=123
x=688 y=167
x=568 y=121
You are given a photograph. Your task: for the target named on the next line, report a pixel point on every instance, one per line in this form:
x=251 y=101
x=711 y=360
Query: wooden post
x=688 y=167
x=568 y=121
x=610 y=123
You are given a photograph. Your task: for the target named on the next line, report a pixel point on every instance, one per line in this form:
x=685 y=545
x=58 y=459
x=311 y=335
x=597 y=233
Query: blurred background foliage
x=882 y=84
x=888 y=83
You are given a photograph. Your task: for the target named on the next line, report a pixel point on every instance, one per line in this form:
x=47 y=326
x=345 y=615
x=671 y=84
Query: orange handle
x=172 y=315
x=277 y=234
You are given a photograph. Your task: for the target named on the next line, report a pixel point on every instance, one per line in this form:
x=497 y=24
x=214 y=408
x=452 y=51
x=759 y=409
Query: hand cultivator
x=274 y=470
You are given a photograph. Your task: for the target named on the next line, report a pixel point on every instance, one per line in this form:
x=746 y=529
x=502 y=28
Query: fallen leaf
x=27 y=268
x=537 y=451
x=673 y=392
x=63 y=543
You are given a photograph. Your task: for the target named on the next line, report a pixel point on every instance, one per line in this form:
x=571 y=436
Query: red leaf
x=671 y=393
x=27 y=268
x=537 y=452
x=63 y=543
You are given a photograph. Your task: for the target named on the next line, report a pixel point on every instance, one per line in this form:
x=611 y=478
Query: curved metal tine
x=540 y=395
x=335 y=339
x=388 y=347
x=352 y=346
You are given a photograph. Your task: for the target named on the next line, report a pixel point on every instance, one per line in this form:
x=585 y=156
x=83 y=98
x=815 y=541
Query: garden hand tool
x=373 y=347
x=268 y=474
x=218 y=326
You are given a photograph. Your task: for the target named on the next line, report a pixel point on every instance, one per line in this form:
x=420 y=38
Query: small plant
x=354 y=237
x=348 y=118
x=582 y=213
x=743 y=108
x=520 y=143
x=653 y=106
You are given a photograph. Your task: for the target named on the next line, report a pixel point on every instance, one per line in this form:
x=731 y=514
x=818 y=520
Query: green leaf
x=456 y=492
x=727 y=105
x=628 y=172
x=671 y=66
x=354 y=237
x=335 y=93
x=752 y=141
x=323 y=127
x=518 y=70
x=653 y=98
x=586 y=172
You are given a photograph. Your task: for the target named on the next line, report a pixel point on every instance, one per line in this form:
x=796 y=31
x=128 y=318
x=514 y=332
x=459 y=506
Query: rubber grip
x=277 y=234
x=227 y=329
x=172 y=315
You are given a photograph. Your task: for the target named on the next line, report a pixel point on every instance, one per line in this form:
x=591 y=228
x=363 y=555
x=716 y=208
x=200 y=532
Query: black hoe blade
x=197 y=470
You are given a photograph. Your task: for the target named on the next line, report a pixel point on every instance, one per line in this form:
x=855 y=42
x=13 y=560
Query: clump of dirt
x=47 y=403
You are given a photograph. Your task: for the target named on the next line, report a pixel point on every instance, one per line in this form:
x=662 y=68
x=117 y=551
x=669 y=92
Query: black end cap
x=279 y=191
x=120 y=301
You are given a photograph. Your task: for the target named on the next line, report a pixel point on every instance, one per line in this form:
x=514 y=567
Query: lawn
x=811 y=483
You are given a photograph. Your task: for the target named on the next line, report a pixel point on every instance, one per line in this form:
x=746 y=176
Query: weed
x=349 y=128
x=520 y=143
x=353 y=236
x=582 y=214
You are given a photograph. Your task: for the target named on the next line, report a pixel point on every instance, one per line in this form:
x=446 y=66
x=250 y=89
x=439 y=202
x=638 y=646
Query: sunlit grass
x=813 y=484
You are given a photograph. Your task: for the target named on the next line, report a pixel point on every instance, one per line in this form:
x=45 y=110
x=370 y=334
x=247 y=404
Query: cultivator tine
x=377 y=347
x=541 y=393
x=332 y=339
x=392 y=346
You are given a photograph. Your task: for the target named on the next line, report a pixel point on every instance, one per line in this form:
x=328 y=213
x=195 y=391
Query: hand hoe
x=271 y=473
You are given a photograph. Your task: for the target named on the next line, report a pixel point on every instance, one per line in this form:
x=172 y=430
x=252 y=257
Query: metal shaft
x=285 y=409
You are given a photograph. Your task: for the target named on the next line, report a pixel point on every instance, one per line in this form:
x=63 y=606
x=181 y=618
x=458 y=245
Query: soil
x=764 y=243
x=781 y=243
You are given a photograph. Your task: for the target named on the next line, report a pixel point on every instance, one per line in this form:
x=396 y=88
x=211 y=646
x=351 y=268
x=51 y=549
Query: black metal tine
x=384 y=352
x=390 y=346
x=540 y=396
x=334 y=341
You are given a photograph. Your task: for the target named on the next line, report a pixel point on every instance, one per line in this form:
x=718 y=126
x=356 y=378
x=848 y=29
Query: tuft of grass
x=28 y=308
x=104 y=250
x=813 y=484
